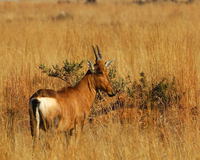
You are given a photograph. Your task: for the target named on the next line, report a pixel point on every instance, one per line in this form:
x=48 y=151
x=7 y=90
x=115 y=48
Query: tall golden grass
x=161 y=40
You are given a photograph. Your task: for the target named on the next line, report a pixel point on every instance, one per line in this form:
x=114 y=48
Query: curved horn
x=98 y=51
x=95 y=53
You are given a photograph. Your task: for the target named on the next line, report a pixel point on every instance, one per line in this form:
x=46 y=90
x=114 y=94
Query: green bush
x=143 y=94
x=160 y=95
x=69 y=71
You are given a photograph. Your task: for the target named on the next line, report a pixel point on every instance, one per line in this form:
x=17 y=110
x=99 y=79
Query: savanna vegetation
x=156 y=57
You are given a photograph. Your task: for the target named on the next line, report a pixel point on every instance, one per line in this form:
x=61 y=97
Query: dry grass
x=162 y=40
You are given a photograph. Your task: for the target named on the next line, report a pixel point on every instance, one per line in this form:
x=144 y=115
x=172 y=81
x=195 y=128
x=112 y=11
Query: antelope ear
x=108 y=63
x=91 y=66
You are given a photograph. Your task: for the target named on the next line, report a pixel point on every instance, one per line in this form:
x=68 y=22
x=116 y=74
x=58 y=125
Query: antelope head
x=100 y=73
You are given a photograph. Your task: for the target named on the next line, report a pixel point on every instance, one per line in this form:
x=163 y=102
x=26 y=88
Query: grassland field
x=159 y=39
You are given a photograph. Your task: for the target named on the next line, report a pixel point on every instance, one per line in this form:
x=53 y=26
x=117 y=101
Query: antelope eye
x=99 y=72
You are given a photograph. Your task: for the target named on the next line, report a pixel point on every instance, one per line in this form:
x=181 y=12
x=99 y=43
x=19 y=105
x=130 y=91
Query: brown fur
x=74 y=103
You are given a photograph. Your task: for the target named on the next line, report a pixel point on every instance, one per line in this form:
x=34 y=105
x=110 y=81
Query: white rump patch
x=48 y=105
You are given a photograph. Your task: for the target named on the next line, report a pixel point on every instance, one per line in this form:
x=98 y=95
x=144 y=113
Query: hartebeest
x=70 y=106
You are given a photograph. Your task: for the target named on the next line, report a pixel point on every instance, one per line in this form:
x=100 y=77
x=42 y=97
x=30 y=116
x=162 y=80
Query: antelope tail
x=37 y=115
x=34 y=118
